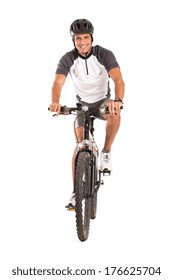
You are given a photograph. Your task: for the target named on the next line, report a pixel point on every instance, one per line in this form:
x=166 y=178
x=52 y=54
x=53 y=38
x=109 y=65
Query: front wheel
x=94 y=205
x=82 y=192
x=94 y=195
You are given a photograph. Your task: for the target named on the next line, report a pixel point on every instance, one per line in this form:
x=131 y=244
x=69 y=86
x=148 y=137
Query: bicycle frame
x=88 y=144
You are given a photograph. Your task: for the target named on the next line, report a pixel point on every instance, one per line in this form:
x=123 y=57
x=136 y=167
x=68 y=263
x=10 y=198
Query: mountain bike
x=87 y=175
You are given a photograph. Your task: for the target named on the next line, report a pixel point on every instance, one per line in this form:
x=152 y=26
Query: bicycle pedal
x=71 y=209
x=106 y=172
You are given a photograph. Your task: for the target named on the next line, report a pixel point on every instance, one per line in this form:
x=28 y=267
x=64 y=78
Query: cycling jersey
x=89 y=74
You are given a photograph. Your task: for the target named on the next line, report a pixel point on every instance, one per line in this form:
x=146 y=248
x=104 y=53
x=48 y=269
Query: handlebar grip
x=64 y=110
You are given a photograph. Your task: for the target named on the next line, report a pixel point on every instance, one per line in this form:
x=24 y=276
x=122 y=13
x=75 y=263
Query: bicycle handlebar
x=68 y=110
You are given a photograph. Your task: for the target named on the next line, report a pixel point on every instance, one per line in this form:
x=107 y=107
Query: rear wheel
x=82 y=191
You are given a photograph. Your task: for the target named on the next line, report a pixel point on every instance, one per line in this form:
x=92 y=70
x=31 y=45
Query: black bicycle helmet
x=81 y=26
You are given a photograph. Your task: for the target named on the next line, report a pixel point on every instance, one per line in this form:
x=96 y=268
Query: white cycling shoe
x=105 y=161
x=71 y=203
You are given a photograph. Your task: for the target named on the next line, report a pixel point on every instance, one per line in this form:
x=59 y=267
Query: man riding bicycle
x=90 y=68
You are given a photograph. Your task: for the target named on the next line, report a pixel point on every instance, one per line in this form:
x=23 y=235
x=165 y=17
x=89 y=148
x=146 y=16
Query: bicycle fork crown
x=84 y=144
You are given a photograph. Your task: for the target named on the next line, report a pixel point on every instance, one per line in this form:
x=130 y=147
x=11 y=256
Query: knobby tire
x=94 y=205
x=94 y=195
x=82 y=190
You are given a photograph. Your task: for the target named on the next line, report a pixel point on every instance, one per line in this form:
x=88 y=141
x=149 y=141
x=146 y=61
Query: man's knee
x=112 y=118
x=113 y=121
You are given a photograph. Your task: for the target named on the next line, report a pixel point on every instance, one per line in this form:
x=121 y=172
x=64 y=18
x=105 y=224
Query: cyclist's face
x=83 y=42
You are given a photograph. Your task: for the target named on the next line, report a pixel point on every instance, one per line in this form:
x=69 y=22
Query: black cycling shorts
x=92 y=106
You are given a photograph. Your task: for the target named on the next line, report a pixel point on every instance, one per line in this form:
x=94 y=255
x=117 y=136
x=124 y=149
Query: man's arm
x=117 y=78
x=56 y=92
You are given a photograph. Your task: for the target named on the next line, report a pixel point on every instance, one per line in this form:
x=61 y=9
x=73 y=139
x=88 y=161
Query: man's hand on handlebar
x=55 y=107
x=114 y=107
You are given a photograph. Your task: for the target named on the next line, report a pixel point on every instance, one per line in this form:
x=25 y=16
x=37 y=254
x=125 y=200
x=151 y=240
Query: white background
x=134 y=222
